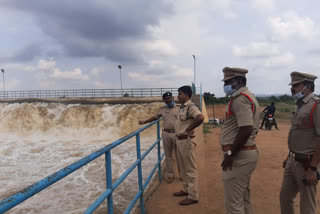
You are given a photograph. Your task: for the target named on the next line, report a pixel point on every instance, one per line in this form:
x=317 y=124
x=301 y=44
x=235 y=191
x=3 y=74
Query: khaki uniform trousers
x=188 y=169
x=237 y=182
x=291 y=185
x=169 y=143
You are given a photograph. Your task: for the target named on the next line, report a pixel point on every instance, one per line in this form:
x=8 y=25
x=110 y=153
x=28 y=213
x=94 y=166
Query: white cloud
x=256 y=49
x=163 y=47
x=182 y=72
x=223 y=6
x=140 y=76
x=263 y=5
x=46 y=65
x=76 y=74
x=18 y=67
x=99 y=84
x=96 y=71
x=286 y=59
x=155 y=63
x=175 y=72
x=291 y=25
x=12 y=84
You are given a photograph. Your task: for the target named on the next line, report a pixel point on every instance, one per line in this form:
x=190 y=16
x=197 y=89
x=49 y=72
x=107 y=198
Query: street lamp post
x=4 y=89
x=119 y=66
x=194 y=70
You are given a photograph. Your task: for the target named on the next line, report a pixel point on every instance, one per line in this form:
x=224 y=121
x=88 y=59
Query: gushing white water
x=39 y=139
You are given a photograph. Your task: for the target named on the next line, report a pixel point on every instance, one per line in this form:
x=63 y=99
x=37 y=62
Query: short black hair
x=309 y=85
x=272 y=103
x=186 y=89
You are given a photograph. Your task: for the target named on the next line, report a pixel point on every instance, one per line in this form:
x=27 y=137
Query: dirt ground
x=265 y=181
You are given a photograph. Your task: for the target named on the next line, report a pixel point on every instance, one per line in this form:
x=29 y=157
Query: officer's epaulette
x=317 y=99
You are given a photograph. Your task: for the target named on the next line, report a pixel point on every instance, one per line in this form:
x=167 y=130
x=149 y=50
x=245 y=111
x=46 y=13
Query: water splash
x=39 y=139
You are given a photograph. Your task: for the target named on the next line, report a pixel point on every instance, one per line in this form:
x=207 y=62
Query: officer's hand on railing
x=141 y=122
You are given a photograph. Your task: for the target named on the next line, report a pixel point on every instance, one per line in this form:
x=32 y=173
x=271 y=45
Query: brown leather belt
x=228 y=147
x=169 y=130
x=300 y=157
x=183 y=137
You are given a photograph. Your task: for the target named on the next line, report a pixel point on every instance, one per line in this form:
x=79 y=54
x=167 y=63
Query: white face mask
x=299 y=95
x=228 y=89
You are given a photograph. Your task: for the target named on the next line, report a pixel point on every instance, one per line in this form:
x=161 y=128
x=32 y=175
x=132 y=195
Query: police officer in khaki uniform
x=189 y=118
x=300 y=173
x=237 y=138
x=169 y=114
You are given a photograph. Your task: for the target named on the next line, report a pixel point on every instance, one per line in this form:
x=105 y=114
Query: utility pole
x=194 y=70
x=119 y=66
x=4 y=88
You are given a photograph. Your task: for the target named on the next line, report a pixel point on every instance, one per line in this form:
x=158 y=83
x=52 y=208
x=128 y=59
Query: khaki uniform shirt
x=303 y=139
x=169 y=116
x=242 y=116
x=188 y=112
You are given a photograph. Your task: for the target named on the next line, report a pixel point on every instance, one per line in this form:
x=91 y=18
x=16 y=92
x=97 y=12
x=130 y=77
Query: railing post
x=109 y=180
x=159 y=152
x=140 y=173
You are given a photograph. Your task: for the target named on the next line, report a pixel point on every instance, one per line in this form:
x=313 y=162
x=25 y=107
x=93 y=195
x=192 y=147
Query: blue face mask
x=299 y=95
x=228 y=89
x=170 y=104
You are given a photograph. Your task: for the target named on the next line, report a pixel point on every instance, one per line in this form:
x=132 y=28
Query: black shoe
x=188 y=201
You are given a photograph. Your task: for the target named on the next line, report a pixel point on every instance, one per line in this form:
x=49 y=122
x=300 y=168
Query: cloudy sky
x=73 y=44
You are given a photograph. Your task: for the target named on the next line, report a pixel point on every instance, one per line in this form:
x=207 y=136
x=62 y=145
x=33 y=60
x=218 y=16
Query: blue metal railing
x=28 y=192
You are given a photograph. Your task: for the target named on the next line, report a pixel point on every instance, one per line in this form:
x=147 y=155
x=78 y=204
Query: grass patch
x=207 y=128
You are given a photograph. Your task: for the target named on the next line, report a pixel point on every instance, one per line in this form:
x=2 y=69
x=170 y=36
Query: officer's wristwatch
x=229 y=152
x=313 y=168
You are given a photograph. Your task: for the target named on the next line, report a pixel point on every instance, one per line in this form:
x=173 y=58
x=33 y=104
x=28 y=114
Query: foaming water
x=39 y=139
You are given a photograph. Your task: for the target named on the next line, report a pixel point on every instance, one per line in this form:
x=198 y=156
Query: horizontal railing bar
x=133 y=202
x=152 y=172
x=125 y=174
x=119 y=141
x=97 y=202
x=150 y=149
x=128 y=171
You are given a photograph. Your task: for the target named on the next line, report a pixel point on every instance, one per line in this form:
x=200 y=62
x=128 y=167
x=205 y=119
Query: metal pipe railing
x=35 y=188
x=87 y=93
